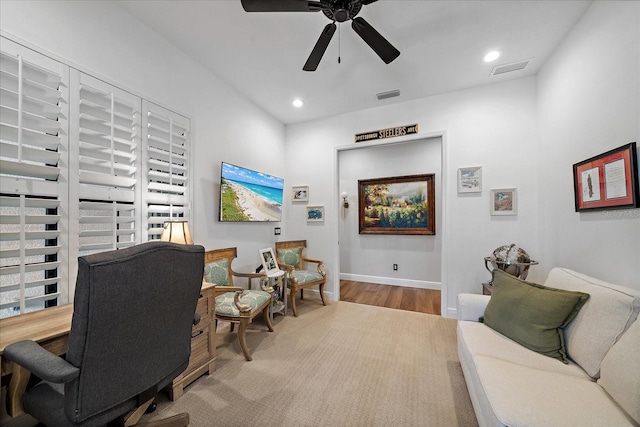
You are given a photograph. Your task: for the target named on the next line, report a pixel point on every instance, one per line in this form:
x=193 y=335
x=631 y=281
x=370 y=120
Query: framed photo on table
x=607 y=181
x=269 y=262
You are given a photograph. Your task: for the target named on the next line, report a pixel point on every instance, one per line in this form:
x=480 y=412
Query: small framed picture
x=269 y=262
x=300 y=193
x=504 y=201
x=315 y=213
x=470 y=179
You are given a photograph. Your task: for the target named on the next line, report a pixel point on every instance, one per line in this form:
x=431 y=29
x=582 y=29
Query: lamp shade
x=177 y=232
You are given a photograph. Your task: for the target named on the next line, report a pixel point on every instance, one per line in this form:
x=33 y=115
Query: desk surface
x=38 y=326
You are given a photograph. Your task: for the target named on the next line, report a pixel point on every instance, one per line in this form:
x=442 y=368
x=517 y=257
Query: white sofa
x=511 y=385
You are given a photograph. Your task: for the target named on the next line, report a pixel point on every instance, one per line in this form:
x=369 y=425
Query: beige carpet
x=341 y=365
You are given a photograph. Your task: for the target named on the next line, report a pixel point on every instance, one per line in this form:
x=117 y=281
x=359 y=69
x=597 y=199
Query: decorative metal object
x=511 y=259
x=243 y=307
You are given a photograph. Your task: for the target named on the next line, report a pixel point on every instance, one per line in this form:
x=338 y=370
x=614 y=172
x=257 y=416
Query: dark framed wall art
x=397 y=205
x=608 y=180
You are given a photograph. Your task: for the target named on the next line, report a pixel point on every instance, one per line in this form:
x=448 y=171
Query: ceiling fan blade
x=320 y=47
x=379 y=44
x=281 y=6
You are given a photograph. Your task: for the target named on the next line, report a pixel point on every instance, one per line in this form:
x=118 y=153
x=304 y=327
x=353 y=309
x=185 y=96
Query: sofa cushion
x=620 y=371
x=603 y=319
x=520 y=395
x=475 y=339
x=532 y=315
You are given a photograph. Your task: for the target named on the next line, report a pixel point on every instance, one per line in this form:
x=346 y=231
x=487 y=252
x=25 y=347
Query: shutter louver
x=34 y=99
x=166 y=142
x=106 y=226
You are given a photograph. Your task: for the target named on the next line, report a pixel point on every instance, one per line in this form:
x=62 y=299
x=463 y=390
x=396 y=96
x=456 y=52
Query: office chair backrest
x=132 y=320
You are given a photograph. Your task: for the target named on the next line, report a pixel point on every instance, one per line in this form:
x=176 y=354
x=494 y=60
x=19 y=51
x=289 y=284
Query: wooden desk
x=50 y=328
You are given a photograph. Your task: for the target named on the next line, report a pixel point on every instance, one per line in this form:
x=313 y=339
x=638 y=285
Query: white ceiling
x=441 y=43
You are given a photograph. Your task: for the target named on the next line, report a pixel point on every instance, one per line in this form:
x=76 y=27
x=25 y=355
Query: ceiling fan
x=336 y=11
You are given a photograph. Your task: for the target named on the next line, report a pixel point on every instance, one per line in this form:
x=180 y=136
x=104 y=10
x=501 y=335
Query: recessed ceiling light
x=297 y=103
x=491 y=56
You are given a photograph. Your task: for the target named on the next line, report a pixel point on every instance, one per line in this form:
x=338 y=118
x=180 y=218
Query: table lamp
x=176 y=232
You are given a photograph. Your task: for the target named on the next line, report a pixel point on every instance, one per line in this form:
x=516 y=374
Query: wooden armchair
x=233 y=304
x=291 y=258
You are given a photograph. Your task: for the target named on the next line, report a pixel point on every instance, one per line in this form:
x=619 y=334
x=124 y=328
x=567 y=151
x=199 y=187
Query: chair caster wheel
x=151 y=408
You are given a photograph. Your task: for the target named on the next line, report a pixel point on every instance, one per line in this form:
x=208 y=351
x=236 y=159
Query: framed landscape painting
x=397 y=205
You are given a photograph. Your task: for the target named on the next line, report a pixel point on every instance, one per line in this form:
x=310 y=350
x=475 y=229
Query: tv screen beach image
x=247 y=195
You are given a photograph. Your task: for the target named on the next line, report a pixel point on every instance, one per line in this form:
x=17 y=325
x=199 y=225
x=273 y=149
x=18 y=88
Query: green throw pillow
x=532 y=315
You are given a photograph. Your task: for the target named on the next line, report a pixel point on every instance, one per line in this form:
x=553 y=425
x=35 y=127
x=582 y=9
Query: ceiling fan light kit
x=336 y=11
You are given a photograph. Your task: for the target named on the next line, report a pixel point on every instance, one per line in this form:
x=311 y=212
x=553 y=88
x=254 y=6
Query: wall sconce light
x=176 y=232
x=344 y=196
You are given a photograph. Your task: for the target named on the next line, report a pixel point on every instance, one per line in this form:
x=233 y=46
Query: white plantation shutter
x=76 y=177
x=33 y=151
x=106 y=124
x=166 y=158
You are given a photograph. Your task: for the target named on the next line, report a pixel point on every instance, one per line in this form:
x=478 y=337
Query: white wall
x=585 y=101
x=526 y=134
x=493 y=126
x=589 y=103
x=102 y=39
x=370 y=257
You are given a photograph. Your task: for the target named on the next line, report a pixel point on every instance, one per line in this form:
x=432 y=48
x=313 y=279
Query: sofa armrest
x=472 y=306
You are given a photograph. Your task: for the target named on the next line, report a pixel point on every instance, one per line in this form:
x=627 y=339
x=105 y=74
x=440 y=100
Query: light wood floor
x=399 y=297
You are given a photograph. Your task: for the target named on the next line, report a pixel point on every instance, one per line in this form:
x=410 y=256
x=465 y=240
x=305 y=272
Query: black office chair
x=130 y=337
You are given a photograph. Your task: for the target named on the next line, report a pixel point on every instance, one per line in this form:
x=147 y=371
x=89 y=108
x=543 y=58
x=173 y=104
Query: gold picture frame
x=397 y=205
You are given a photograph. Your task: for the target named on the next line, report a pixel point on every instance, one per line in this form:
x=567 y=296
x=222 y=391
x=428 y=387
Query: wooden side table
x=280 y=306
x=487 y=288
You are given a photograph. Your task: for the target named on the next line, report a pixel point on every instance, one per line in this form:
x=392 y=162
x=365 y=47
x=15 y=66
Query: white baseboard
x=422 y=284
x=451 y=313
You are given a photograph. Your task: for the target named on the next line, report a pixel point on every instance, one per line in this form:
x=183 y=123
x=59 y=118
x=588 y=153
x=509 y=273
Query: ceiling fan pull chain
x=339 y=39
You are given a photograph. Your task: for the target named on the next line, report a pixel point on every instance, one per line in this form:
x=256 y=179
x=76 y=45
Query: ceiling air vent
x=388 y=94
x=507 y=68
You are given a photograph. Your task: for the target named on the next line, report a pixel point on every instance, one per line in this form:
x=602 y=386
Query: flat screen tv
x=247 y=195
